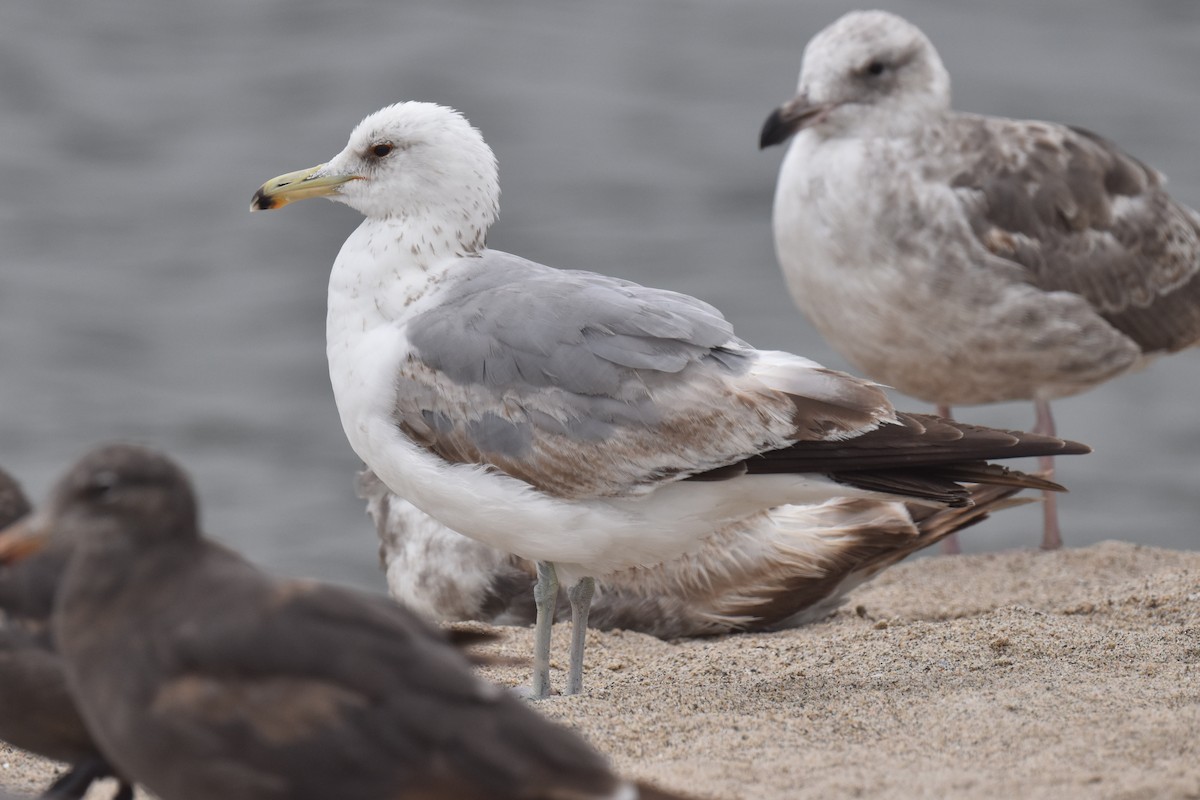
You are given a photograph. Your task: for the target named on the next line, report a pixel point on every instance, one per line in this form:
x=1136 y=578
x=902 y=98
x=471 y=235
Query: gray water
x=140 y=300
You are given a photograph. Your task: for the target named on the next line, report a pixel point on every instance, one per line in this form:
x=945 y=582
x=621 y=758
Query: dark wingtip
x=1019 y=444
x=775 y=130
x=1071 y=448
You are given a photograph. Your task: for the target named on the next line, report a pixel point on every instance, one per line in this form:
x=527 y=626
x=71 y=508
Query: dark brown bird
x=204 y=678
x=37 y=712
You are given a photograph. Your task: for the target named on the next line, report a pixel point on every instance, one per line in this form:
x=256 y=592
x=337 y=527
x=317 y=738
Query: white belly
x=582 y=537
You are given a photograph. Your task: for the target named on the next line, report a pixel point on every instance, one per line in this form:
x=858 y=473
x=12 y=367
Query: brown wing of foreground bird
x=787 y=567
x=204 y=678
x=37 y=712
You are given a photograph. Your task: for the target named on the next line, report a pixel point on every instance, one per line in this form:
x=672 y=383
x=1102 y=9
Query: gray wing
x=585 y=386
x=1081 y=216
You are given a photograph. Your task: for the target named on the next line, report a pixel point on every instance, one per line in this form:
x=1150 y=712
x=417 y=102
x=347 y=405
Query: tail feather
x=873 y=550
x=997 y=475
x=934 y=524
x=911 y=485
x=942 y=483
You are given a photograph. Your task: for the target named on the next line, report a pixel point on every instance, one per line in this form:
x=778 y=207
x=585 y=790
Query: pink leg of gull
x=1051 y=535
x=949 y=545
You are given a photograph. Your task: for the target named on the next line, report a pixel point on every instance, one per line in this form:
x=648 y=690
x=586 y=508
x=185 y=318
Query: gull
x=967 y=259
x=587 y=423
x=202 y=677
x=39 y=714
x=783 y=568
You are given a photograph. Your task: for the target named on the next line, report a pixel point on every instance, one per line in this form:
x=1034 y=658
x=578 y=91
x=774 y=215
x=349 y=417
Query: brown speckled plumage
x=965 y=259
x=1081 y=216
x=776 y=570
x=969 y=259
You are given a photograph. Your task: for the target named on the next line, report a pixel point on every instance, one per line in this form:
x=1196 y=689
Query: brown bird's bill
x=21 y=540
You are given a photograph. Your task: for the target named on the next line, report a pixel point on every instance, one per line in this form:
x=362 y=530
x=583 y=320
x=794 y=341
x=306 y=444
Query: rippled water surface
x=139 y=299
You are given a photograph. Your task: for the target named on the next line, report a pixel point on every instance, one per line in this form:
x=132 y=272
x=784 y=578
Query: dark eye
x=102 y=484
x=876 y=68
x=382 y=149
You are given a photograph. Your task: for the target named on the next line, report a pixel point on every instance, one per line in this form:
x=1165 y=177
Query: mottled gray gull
x=783 y=568
x=202 y=677
x=967 y=259
x=584 y=422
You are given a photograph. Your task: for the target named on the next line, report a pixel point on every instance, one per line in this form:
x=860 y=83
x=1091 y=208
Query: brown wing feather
x=1082 y=216
x=923 y=457
x=700 y=421
x=309 y=681
x=918 y=441
x=872 y=549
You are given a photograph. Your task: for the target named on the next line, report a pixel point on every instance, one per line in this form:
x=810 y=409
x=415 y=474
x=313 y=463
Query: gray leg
x=949 y=545
x=1051 y=535
x=580 y=596
x=545 y=597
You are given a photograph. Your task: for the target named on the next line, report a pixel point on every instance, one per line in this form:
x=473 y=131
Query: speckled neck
x=384 y=268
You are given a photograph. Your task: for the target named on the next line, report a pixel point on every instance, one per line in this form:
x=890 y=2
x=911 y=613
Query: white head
x=869 y=70
x=411 y=160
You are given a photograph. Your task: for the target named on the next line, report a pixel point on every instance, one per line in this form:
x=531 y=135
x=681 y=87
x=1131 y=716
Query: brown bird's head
x=117 y=492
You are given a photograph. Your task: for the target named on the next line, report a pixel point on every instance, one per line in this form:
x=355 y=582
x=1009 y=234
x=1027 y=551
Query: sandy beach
x=1016 y=674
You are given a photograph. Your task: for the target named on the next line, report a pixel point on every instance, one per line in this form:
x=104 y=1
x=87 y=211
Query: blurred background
x=139 y=300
